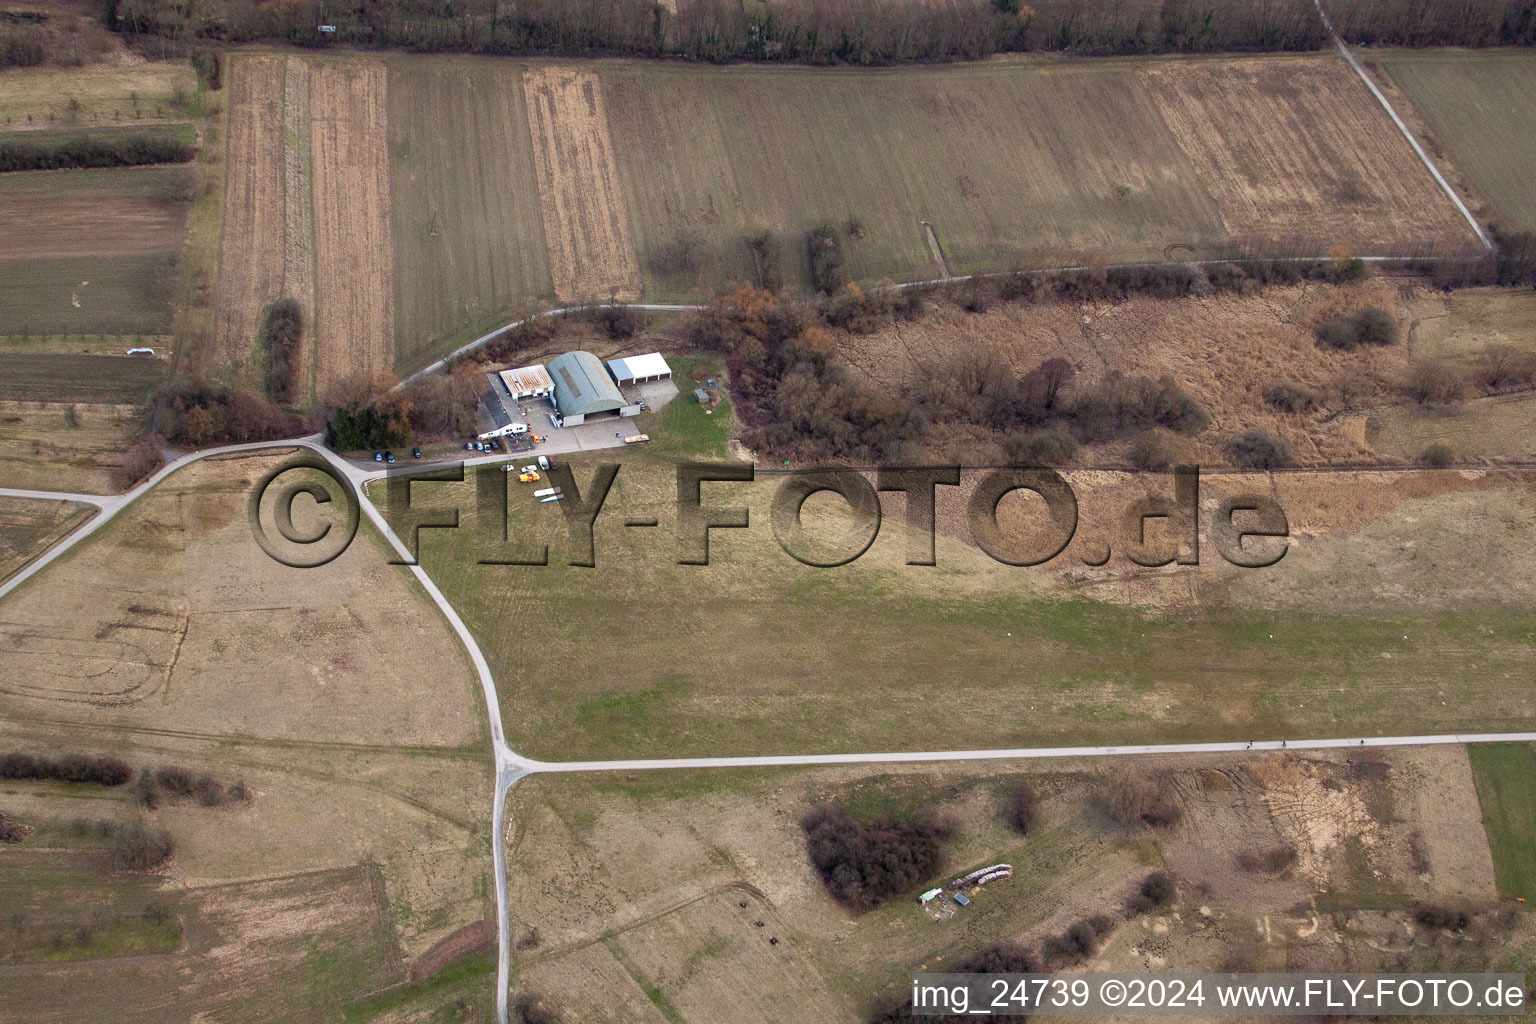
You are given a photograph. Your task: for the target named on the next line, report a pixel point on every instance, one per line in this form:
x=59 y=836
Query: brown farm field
x=586 y=223
x=469 y=237
x=687 y=896
x=1477 y=112
x=498 y=187
x=354 y=330
x=100 y=251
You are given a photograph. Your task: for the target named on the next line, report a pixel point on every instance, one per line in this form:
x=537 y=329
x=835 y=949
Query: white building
x=528 y=382
x=639 y=369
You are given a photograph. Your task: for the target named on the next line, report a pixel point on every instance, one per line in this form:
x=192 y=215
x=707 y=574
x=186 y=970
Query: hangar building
x=583 y=387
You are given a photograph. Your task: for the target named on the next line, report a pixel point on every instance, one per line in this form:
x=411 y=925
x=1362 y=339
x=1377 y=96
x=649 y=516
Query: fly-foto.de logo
x=305 y=515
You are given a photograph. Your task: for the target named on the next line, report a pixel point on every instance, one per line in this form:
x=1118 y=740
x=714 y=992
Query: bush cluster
x=101 y=771
x=865 y=865
x=1138 y=800
x=1156 y=891
x=188 y=411
x=1442 y=917
x=1369 y=326
x=1288 y=396
x=1079 y=942
x=140 y=846
x=1254 y=449
x=620 y=323
x=282 y=326
x=825 y=249
x=128 y=151
x=12 y=831
x=1022 y=808
x=173 y=784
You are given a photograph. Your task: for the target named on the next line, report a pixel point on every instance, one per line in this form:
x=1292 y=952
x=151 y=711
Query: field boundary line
x=1023 y=753
x=1381 y=98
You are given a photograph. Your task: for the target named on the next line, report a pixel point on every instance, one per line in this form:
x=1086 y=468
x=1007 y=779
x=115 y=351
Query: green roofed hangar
x=583 y=387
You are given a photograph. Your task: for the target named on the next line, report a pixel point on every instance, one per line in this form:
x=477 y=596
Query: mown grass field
x=1506 y=787
x=155 y=93
x=641 y=656
x=1480 y=110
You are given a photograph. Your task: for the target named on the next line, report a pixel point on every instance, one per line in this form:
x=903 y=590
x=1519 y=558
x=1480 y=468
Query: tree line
x=90 y=151
x=867 y=32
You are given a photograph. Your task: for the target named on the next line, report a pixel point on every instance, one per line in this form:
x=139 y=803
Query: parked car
x=389 y=457
x=378 y=456
x=546 y=463
x=494 y=445
x=415 y=453
x=469 y=446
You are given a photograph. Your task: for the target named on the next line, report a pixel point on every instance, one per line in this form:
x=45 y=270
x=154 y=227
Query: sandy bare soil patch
x=586 y=222
x=172 y=612
x=251 y=247
x=354 y=255
x=1298 y=148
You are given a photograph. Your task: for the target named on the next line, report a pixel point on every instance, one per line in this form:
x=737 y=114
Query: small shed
x=701 y=396
x=961 y=899
x=640 y=369
x=930 y=894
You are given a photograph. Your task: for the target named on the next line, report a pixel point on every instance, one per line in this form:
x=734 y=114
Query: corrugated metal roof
x=582 y=386
x=639 y=367
x=527 y=380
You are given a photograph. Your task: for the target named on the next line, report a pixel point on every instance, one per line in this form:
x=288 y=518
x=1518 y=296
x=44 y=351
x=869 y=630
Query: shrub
x=1153 y=451
x=1049 y=448
x=1433 y=382
x=1254 y=449
x=140 y=846
x=138 y=462
x=1137 y=800
x=282 y=324
x=1288 y=396
x=865 y=865
x=531 y=1008
x=684 y=254
x=1437 y=456
x=1078 y=942
x=1271 y=862
x=1156 y=891
x=768 y=257
x=1370 y=326
x=12 y=831
x=1022 y=808
x=825 y=250
x=1504 y=365
x=1442 y=917
x=618 y=322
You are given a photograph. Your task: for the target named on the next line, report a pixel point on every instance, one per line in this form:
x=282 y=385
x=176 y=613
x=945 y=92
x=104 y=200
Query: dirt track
x=586 y=222
x=355 y=316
